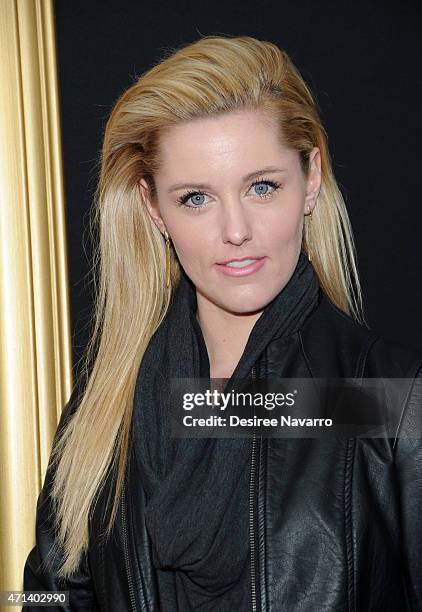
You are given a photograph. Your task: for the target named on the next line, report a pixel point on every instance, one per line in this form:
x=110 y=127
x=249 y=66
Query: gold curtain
x=35 y=337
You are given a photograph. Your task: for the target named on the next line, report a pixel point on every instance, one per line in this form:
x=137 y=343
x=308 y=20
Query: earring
x=166 y=235
x=310 y=211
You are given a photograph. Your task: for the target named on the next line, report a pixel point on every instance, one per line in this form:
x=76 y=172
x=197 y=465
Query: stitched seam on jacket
x=364 y=356
x=305 y=357
x=406 y=403
x=137 y=573
x=262 y=531
x=261 y=526
x=348 y=527
x=348 y=491
x=102 y=595
x=105 y=599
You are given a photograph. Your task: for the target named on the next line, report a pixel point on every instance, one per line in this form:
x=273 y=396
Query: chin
x=242 y=305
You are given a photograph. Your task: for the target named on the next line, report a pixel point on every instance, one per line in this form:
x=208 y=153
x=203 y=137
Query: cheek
x=282 y=227
x=189 y=241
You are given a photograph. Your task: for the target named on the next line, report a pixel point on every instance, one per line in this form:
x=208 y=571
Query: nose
x=236 y=226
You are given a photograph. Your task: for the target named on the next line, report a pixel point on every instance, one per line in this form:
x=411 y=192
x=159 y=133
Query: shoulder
x=334 y=341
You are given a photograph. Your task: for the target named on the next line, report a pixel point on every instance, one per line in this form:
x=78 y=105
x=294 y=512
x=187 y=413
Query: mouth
x=237 y=262
x=241 y=266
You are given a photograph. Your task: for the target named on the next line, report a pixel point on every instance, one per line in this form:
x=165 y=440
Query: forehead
x=221 y=143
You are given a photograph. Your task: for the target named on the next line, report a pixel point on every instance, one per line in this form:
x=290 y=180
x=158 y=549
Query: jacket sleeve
x=408 y=465
x=42 y=563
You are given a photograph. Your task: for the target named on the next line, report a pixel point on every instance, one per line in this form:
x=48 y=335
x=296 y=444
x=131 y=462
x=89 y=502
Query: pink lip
x=250 y=269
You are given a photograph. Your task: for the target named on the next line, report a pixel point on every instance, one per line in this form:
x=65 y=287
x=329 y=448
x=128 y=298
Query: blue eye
x=263 y=187
x=196 y=198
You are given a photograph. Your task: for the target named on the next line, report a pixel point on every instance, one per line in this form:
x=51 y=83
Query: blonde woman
x=225 y=252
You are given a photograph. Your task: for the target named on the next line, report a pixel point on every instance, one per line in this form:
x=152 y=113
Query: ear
x=151 y=205
x=313 y=180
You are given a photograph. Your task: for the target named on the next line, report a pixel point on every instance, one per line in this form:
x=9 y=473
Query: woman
x=226 y=252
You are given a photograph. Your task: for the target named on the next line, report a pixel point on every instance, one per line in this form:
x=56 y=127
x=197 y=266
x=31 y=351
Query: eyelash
x=186 y=196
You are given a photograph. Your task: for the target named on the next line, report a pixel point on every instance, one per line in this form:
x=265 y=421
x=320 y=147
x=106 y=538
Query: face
x=228 y=189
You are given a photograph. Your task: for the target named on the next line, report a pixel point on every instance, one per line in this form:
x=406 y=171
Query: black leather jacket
x=337 y=523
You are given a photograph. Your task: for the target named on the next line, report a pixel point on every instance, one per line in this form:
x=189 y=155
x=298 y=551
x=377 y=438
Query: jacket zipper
x=126 y=551
x=251 y=513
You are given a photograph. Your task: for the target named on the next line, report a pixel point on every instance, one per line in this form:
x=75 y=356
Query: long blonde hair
x=215 y=74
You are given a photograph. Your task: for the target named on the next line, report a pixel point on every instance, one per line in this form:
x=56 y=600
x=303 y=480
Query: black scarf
x=197 y=489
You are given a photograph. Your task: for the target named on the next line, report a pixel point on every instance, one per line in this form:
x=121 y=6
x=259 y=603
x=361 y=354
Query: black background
x=362 y=61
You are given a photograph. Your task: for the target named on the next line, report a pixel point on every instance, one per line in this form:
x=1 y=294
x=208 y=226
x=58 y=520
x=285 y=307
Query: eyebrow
x=248 y=177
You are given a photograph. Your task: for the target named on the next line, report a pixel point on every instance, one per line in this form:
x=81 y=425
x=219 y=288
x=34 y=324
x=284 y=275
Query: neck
x=225 y=335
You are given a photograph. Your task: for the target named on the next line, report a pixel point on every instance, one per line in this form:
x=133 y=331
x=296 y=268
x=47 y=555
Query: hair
x=213 y=75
